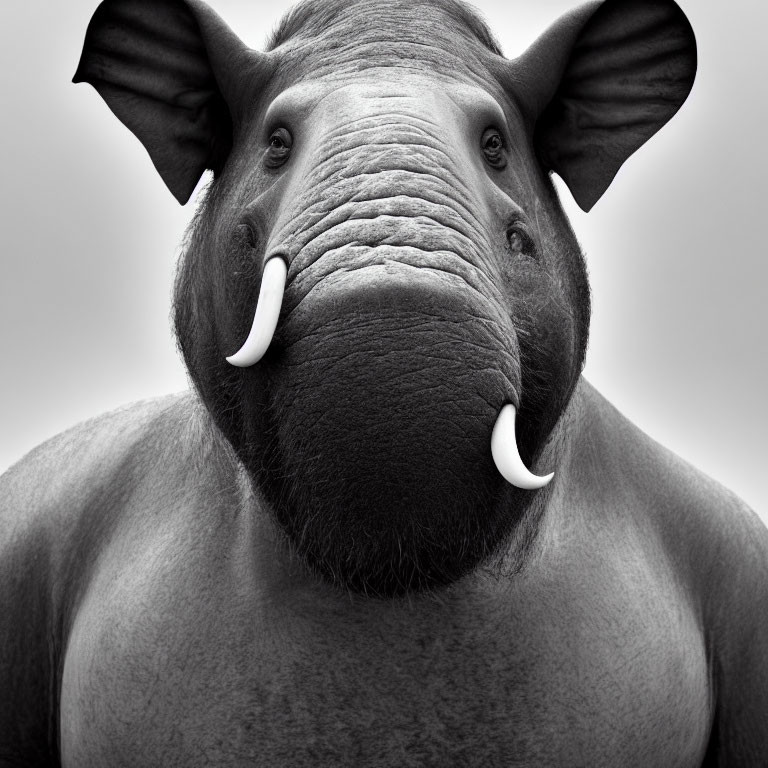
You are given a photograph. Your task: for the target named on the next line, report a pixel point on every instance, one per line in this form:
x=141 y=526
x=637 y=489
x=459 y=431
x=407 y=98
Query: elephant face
x=398 y=165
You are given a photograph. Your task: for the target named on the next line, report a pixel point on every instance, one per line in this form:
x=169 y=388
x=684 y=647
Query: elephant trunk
x=383 y=391
x=506 y=455
x=367 y=423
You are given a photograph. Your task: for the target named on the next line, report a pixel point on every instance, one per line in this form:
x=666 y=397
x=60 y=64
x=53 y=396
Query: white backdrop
x=675 y=248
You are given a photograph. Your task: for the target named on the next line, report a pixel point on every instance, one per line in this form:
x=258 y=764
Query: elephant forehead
x=384 y=99
x=329 y=39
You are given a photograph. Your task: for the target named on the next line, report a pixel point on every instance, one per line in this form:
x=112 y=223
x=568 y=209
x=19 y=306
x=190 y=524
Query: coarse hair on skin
x=380 y=550
x=313 y=16
x=386 y=562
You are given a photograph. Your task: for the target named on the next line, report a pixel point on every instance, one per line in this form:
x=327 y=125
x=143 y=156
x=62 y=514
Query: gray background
x=675 y=248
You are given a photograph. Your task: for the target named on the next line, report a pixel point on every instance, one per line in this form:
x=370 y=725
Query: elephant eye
x=493 y=148
x=280 y=144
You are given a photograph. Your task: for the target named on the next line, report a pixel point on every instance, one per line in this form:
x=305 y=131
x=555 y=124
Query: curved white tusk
x=506 y=457
x=265 y=317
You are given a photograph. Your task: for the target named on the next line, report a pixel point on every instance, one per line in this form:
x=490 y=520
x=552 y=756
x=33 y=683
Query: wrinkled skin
x=406 y=321
x=313 y=560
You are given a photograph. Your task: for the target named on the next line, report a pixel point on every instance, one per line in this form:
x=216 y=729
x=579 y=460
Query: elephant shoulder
x=687 y=507
x=59 y=502
x=718 y=550
x=698 y=521
x=719 y=547
x=49 y=486
x=57 y=505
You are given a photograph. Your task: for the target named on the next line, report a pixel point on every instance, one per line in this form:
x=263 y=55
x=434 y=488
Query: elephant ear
x=617 y=71
x=163 y=67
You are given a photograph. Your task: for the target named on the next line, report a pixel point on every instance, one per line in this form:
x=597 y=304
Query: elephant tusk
x=506 y=456
x=265 y=317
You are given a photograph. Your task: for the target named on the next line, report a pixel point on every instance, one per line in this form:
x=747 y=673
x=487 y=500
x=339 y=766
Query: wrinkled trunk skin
x=367 y=424
x=391 y=395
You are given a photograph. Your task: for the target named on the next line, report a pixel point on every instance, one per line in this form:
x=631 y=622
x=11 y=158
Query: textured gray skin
x=153 y=612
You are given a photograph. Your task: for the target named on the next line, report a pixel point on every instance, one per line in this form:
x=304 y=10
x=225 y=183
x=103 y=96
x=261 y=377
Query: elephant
x=391 y=524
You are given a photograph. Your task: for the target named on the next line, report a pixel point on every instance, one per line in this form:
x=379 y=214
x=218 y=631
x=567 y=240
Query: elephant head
x=381 y=277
